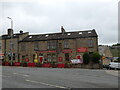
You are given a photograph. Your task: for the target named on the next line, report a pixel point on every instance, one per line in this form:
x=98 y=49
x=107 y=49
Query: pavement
x=25 y=77
x=113 y=72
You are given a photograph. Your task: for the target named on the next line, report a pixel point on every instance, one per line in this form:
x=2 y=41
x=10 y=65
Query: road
x=26 y=77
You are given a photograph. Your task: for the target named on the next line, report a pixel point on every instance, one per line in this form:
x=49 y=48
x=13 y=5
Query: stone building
x=58 y=47
x=106 y=54
x=9 y=46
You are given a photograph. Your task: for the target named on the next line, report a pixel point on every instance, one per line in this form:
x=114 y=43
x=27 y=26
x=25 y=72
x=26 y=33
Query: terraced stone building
x=9 y=45
x=58 y=47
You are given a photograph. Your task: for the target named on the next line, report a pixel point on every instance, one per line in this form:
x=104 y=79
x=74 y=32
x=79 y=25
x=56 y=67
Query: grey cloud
x=73 y=15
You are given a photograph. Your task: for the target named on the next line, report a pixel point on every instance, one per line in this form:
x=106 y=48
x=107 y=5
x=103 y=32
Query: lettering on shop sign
x=83 y=49
x=46 y=51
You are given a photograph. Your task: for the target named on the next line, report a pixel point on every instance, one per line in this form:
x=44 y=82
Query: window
x=36 y=46
x=54 y=57
x=13 y=56
x=33 y=57
x=59 y=47
x=23 y=46
x=90 y=43
x=11 y=45
x=51 y=57
x=23 y=58
x=66 y=44
x=0 y=46
x=52 y=44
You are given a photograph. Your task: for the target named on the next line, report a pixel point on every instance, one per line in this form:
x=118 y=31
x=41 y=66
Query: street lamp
x=11 y=22
x=11 y=39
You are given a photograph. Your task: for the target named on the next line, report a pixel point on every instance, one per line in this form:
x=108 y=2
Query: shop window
x=23 y=58
x=9 y=57
x=33 y=57
x=51 y=57
x=13 y=56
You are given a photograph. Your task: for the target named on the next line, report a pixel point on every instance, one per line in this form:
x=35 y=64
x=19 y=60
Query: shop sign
x=67 y=51
x=1 y=54
x=46 y=51
x=82 y=49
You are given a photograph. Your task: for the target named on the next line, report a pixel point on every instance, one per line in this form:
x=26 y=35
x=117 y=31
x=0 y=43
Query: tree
x=86 y=58
x=96 y=57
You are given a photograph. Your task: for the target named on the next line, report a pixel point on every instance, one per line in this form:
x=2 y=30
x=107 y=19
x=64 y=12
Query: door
x=66 y=56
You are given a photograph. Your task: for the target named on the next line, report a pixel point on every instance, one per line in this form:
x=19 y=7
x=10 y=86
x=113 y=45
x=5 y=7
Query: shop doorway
x=67 y=57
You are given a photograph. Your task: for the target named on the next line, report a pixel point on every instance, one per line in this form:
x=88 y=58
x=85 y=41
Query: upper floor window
x=0 y=46
x=90 y=43
x=52 y=44
x=66 y=44
x=23 y=46
x=11 y=45
x=36 y=46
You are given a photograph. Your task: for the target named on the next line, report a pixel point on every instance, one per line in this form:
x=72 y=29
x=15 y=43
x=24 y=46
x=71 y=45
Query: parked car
x=106 y=66
x=114 y=65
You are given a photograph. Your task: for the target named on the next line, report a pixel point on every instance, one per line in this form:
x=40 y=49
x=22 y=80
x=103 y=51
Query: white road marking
x=4 y=76
x=25 y=75
x=46 y=84
x=20 y=67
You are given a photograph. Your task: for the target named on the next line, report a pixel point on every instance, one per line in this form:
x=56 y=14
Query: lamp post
x=11 y=22
x=11 y=39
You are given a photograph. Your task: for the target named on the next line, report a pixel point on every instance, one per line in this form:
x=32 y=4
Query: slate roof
x=59 y=36
x=14 y=36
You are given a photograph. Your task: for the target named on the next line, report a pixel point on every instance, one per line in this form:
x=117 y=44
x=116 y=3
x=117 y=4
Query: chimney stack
x=62 y=30
x=21 y=31
x=10 y=32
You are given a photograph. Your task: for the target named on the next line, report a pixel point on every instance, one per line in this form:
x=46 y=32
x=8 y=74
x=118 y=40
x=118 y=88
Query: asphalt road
x=24 y=77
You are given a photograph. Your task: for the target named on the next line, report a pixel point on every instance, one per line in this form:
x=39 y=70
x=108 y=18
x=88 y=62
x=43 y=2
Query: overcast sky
x=47 y=16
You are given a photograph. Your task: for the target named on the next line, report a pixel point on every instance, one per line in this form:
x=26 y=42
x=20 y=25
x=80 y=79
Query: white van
x=114 y=65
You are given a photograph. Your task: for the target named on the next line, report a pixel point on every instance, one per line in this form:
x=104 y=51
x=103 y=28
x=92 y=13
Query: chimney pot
x=21 y=31
x=62 y=30
x=10 y=32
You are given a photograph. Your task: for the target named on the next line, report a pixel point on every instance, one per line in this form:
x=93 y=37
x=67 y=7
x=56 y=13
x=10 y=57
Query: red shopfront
x=46 y=56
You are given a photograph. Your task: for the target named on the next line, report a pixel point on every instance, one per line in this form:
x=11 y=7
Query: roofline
x=61 y=32
x=55 y=39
